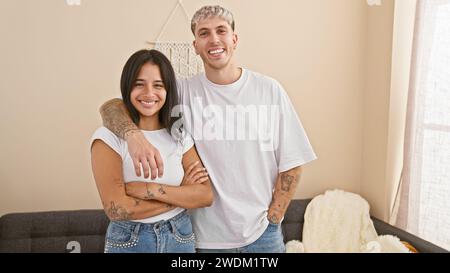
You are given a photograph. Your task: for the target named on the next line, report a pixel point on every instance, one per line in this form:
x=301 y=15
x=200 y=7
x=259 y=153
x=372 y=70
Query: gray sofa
x=84 y=230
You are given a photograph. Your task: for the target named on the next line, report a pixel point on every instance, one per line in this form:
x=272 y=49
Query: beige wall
x=59 y=63
x=376 y=104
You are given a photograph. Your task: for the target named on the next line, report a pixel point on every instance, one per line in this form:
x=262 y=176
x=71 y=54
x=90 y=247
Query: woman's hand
x=194 y=174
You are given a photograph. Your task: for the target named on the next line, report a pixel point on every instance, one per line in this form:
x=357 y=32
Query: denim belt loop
x=136 y=229
x=172 y=225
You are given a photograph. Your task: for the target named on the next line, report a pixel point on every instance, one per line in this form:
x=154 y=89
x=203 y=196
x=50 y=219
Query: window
x=425 y=199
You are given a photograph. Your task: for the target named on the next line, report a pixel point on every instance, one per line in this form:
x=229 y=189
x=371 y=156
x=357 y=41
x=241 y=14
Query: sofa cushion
x=52 y=231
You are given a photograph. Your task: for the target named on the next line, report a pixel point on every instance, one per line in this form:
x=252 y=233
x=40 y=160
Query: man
x=247 y=134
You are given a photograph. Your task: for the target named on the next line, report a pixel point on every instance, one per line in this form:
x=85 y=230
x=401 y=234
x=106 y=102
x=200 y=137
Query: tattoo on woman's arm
x=161 y=190
x=150 y=195
x=136 y=202
x=117 y=213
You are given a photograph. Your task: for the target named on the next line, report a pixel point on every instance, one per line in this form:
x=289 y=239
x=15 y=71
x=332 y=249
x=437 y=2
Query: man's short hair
x=210 y=11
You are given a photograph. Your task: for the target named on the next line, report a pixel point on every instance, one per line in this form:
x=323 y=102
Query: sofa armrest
x=421 y=245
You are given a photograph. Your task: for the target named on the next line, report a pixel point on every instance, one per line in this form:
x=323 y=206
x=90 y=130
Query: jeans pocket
x=182 y=230
x=273 y=227
x=121 y=235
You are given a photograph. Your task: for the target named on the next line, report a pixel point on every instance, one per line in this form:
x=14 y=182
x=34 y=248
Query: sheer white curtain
x=425 y=189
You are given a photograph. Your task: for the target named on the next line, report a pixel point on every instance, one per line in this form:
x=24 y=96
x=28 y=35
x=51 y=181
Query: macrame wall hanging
x=185 y=61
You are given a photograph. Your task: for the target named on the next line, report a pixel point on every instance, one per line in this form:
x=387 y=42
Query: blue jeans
x=271 y=241
x=172 y=236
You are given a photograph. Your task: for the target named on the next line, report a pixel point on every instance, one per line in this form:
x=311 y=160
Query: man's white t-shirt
x=171 y=152
x=246 y=133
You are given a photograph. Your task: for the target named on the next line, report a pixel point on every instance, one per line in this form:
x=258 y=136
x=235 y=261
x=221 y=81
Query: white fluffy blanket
x=339 y=221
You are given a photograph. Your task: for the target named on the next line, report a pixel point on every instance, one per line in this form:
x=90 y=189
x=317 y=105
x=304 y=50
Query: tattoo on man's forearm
x=282 y=195
x=286 y=181
x=150 y=195
x=117 y=212
x=161 y=190
x=273 y=219
x=116 y=119
x=121 y=128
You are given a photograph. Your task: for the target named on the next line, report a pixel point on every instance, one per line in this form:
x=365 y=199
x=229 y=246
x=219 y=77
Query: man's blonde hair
x=210 y=11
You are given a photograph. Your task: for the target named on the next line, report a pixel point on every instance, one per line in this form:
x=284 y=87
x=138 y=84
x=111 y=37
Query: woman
x=149 y=215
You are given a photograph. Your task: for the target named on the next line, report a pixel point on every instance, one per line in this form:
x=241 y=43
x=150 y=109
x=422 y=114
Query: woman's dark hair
x=130 y=73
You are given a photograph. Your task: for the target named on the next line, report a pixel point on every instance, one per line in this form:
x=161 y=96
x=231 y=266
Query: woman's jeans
x=173 y=235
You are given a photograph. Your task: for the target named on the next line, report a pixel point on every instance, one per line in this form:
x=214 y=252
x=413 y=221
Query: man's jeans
x=271 y=241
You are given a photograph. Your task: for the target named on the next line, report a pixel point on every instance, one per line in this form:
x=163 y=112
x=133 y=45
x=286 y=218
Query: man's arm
x=116 y=118
x=107 y=169
x=284 y=191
